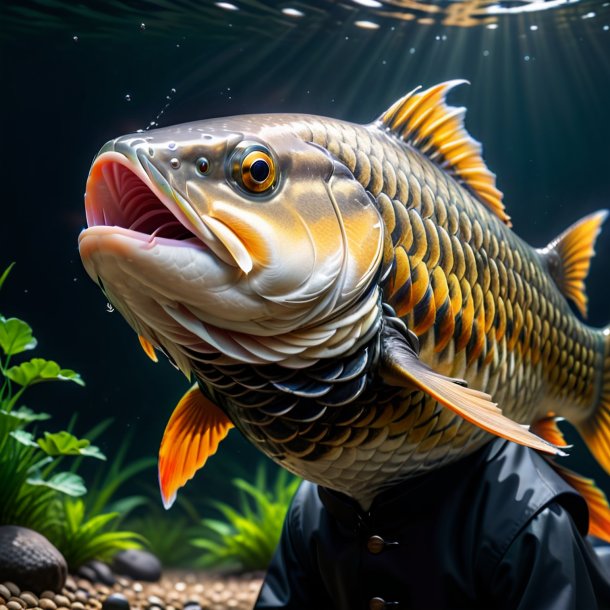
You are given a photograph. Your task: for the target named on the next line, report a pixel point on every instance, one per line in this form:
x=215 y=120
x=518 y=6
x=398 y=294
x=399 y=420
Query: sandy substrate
x=177 y=590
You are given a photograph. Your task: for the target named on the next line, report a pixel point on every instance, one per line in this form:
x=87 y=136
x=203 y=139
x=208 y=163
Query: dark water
x=75 y=75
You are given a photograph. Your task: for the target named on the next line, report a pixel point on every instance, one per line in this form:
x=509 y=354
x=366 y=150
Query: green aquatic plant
x=247 y=538
x=34 y=491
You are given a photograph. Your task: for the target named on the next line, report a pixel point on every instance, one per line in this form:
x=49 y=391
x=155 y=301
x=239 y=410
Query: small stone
x=116 y=601
x=12 y=587
x=3 y=607
x=13 y=605
x=47 y=604
x=5 y=594
x=29 y=598
x=70 y=584
x=153 y=600
x=62 y=600
x=102 y=572
x=78 y=606
x=63 y=608
x=137 y=564
x=18 y=600
x=47 y=595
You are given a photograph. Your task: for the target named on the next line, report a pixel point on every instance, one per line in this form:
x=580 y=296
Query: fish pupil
x=259 y=170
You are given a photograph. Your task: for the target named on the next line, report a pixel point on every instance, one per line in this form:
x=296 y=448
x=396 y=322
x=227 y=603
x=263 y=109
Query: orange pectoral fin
x=403 y=367
x=193 y=433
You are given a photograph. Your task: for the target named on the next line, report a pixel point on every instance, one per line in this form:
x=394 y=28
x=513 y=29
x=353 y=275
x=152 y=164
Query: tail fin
x=596 y=430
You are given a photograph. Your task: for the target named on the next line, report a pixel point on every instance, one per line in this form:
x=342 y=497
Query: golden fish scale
x=480 y=301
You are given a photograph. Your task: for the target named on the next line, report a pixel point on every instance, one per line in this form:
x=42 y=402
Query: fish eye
x=254 y=169
x=202 y=165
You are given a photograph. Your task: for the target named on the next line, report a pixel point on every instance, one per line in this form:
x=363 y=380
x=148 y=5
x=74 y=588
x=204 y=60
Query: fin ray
x=425 y=121
x=568 y=257
x=192 y=435
x=403 y=367
x=149 y=348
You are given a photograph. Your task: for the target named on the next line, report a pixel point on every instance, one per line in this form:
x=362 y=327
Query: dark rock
x=86 y=572
x=116 y=601
x=30 y=560
x=97 y=571
x=137 y=564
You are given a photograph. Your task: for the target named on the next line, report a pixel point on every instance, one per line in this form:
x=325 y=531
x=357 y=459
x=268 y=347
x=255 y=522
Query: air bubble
x=75 y=38
x=411 y=50
x=533 y=28
x=127 y=97
x=142 y=26
x=485 y=53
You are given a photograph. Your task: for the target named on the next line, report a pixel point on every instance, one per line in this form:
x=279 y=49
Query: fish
x=352 y=298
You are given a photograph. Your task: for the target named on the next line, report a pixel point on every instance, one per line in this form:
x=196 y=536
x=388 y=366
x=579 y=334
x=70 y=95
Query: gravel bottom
x=177 y=590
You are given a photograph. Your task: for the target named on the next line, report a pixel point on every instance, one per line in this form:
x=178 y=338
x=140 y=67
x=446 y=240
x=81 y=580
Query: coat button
x=375 y=544
x=377 y=603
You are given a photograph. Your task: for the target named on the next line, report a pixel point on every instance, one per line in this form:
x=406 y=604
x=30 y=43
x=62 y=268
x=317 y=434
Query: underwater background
x=73 y=76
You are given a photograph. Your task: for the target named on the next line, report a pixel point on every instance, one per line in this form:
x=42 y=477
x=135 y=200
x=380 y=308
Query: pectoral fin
x=148 y=348
x=193 y=433
x=402 y=366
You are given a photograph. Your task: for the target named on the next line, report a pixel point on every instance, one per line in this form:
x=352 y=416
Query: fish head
x=232 y=238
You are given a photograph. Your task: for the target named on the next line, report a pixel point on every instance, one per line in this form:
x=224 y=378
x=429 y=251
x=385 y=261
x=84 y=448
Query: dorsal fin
x=568 y=257
x=426 y=122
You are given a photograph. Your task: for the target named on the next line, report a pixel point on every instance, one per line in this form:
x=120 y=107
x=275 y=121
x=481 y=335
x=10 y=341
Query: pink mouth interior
x=117 y=197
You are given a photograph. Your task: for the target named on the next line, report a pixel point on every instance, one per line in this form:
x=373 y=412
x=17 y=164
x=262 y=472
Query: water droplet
x=75 y=38
x=127 y=97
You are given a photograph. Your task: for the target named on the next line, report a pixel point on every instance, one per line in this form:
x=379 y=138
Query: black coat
x=498 y=529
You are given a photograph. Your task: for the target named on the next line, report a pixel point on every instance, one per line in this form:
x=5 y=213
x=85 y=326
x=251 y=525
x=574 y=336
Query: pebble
x=116 y=601
x=12 y=587
x=177 y=590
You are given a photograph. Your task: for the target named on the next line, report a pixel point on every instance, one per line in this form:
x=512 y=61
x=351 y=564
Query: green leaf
x=39 y=369
x=15 y=336
x=64 y=443
x=25 y=438
x=26 y=416
x=5 y=274
x=65 y=482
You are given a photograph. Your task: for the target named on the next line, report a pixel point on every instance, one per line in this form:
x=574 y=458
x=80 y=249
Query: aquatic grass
x=247 y=538
x=34 y=491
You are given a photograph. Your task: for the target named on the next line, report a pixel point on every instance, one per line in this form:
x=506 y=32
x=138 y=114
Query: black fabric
x=498 y=529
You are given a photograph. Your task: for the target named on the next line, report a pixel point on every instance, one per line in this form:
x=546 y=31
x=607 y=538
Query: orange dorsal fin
x=599 y=511
x=568 y=257
x=402 y=367
x=425 y=121
x=192 y=435
x=148 y=348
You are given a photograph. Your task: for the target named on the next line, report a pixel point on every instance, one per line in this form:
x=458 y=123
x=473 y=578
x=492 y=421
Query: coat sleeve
x=549 y=565
x=293 y=581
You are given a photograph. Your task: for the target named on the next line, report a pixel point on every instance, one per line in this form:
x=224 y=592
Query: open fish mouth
x=118 y=197
x=122 y=194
